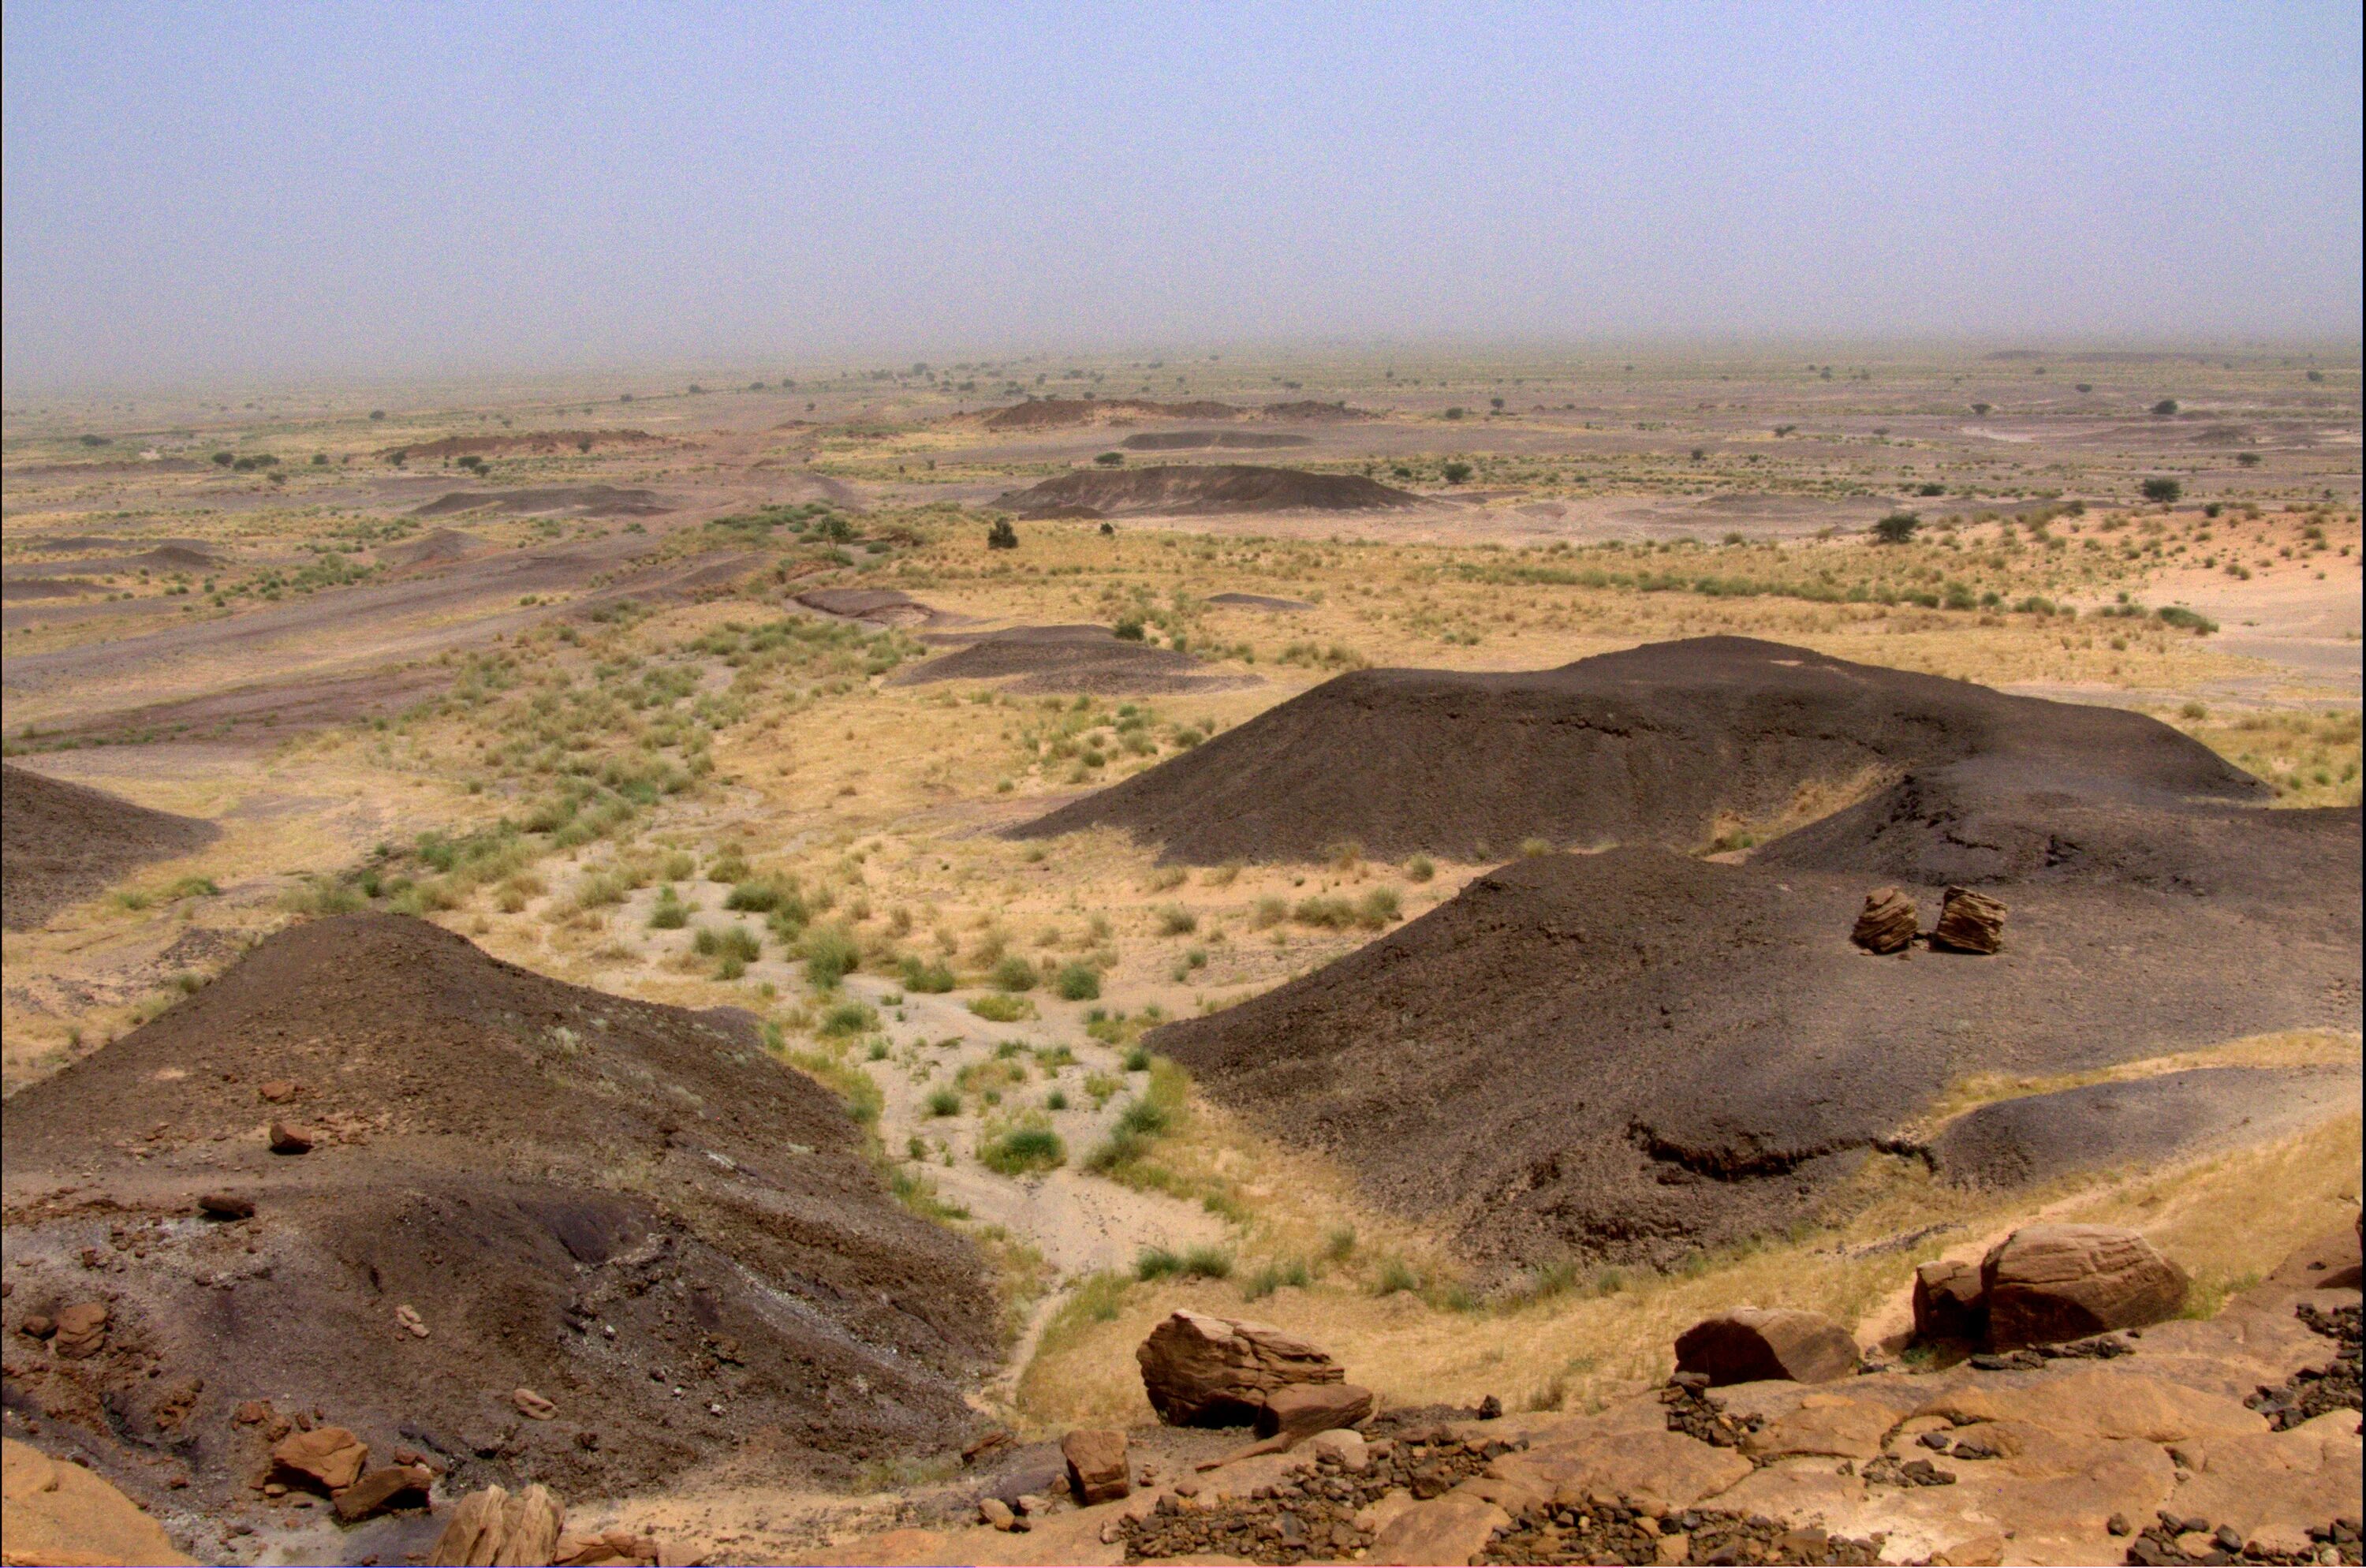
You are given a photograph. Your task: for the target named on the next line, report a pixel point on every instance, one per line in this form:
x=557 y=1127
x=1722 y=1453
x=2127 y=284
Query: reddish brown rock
x=1200 y=1370
x=330 y=1456
x=1752 y=1345
x=279 y=1091
x=1888 y=923
x=389 y=1486
x=1948 y=1303
x=2045 y=1284
x=1300 y=1410
x=1096 y=1465
x=532 y=1405
x=288 y=1138
x=225 y=1206
x=1968 y=922
x=81 y=1330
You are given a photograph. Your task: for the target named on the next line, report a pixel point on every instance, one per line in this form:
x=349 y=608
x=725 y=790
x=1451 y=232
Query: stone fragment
x=288 y=1138
x=2048 y=1283
x=532 y=1405
x=1300 y=1410
x=80 y=1330
x=1751 y=1343
x=278 y=1091
x=996 y=1512
x=496 y=1528
x=225 y=1205
x=1202 y=1371
x=407 y=1318
x=1888 y=923
x=389 y=1486
x=36 y=1326
x=1948 y=1305
x=1968 y=922
x=330 y=1456
x=1345 y=1445
x=1096 y=1465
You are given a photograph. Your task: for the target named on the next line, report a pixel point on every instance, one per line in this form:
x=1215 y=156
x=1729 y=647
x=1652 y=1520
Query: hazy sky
x=293 y=190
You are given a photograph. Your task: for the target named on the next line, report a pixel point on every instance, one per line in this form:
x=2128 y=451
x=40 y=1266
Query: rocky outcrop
x=2045 y=1284
x=328 y=1457
x=62 y=1513
x=1200 y=1370
x=80 y=1331
x=1968 y=922
x=1751 y=1343
x=495 y=1528
x=1888 y=922
x=1302 y=1410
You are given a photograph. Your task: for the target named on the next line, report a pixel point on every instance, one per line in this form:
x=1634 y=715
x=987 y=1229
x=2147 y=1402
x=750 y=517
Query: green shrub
x=1420 y=868
x=2163 y=490
x=927 y=979
x=830 y=953
x=1273 y=1276
x=1077 y=983
x=944 y=1102
x=1002 y=1008
x=1015 y=974
x=1022 y=1149
x=1897 y=528
x=848 y=1017
x=1176 y=921
x=670 y=914
x=1395 y=1275
x=1137 y=1060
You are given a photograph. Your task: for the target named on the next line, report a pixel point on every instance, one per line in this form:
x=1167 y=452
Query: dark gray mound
x=584 y=501
x=1183 y=489
x=2137 y=1121
x=1633 y=1054
x=1257 y=602
x=626 y=1207
x=1192 y=440
x=61 y=842
x=881 y=606
x=1067 y=659
x=1656 y=744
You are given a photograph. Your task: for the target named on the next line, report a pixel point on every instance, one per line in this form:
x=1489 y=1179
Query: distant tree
x=1785 y=429
x=1981 y=410
x=99 y=441
x=320 y=459
x=1129 y=628
x=1108 y=530
x=2249 y=459
x=2316 y=374
x=583 y=443
x=1699 y=453
x=377 y=414
x=2086 y=386
x=1930 y=487
x=1111 y=460
x=696 y=390
x=755 y=386
x=1455 y=472
x=225 y=459
x=1457 y=412
x=1495 y=403
x=2162 y=490
x=2165 y=409
x=1002 y=536
x=1897 y=528
x=625 y=396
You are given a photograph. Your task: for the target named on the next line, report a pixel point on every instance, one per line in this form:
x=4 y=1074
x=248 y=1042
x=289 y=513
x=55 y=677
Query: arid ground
x=1150 y=849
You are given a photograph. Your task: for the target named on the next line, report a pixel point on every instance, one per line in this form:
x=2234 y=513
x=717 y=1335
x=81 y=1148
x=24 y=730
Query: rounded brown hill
x=630 y=1210
x=61 y=842
x=1665 y=744
x=1186 y=489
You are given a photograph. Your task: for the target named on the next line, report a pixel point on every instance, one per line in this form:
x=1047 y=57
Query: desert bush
x=1174 y=919
x=1015 y=974
x=670 y=914
x=2162 y=491
x=927 y=979
x=1897 y=528
x=943 y=1103
x=1378 y=908
x=1023 y=1149
x=1273 y=1276
x=1002 y=1008
x=841 y=1019
x=1420 y=868
x=1077 y=983
x=830 y=952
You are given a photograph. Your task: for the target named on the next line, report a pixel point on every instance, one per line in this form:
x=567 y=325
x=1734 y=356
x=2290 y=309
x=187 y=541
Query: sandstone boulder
x=80 y=1330
x=2045 y=1284
x=1948 y=1304
x=330 y=1456
x=1096 y=1465
x=494 y=1529
x=63 y=1513
x=1968 y=922
x=1200 y=1370
x=288 y=1138
x=1452 y=1529
x=1888 y=923
x=1751 y=1343
x=389 y=1486
x=1300 y=1410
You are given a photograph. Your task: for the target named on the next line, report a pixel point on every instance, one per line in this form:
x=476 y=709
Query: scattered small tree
x=1981 y=410
x=1111 y=460
x=2165 y=409
x=1897 y=528
x=2162 y=490
x=1455 y=472
x=1001 y=535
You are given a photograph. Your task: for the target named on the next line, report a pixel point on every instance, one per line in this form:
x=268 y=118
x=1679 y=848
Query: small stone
x=2118 y=1524
x=1888 y=923
x=330 y=1456
x=288 y=1138
x=225 y=1206
x=996 y=1512
x=532 y=1405
x=1096 y=1464
x=1968 y=922
x=407 y=1317
x=278 y=1091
